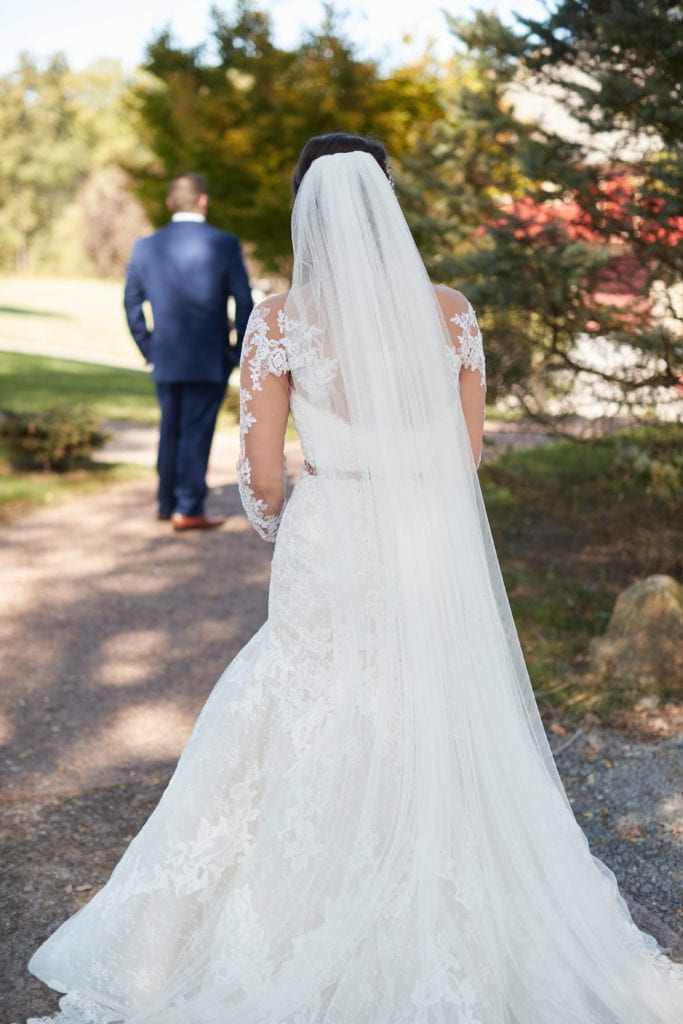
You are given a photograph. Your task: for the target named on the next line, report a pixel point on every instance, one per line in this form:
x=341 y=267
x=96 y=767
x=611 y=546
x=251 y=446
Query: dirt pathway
x=113 y=630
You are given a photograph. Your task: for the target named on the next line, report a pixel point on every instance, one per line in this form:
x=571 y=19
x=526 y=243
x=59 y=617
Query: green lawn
x=66 y=316
x=574 y=525
x=34 y=383
x=37 y=383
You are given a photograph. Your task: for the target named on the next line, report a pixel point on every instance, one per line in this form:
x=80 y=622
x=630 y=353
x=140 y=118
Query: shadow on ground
x=113 y=641
x=114 y=630
x=24 y=311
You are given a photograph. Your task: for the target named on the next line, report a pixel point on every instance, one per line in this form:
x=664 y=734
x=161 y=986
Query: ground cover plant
x=575 y=524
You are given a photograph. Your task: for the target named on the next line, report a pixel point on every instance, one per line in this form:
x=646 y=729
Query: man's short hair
x=185 y=189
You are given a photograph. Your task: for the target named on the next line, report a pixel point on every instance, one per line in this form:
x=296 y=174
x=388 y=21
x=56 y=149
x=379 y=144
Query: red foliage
x=618 y=216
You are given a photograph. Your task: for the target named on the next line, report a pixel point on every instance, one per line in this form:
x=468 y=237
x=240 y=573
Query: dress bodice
x=277 y=347
x=313 y=423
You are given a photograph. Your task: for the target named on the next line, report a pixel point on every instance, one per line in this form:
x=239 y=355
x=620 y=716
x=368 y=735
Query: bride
x=366 y=826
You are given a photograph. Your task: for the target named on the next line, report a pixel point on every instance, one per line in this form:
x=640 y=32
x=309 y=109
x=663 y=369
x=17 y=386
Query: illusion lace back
x=366 y=826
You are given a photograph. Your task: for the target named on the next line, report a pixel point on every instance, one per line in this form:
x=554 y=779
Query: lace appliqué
x=265 y=356
x=469 y=354
x=76 y=1008
x=313 y=369
x=445 y=986
x=264 y=522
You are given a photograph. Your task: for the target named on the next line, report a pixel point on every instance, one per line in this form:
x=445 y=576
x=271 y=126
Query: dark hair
x=185 y=189
x=337 y=142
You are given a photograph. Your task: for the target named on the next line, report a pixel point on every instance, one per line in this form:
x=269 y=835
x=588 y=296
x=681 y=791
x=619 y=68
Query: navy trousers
x=188 y=419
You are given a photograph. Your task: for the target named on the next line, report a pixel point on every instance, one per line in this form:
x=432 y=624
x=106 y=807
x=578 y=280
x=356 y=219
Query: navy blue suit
x=187 y=271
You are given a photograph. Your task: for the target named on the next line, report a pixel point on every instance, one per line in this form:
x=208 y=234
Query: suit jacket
x=187 y=270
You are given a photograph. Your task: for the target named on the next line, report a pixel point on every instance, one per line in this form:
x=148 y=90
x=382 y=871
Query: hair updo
x=337 y=142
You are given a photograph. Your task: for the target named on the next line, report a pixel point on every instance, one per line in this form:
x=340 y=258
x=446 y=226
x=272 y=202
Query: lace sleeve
x=264 y=406
x=467 y=352
x=466 y=362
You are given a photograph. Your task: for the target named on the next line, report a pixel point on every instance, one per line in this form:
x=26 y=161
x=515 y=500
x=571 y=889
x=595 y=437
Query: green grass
x=36 y=383
x=59 y=315
x=573 y=528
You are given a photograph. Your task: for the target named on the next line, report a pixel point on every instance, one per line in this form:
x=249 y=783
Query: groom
x=187 y=271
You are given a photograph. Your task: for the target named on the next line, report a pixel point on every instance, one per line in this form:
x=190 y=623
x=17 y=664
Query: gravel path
x=113 y=631
x=627 y=794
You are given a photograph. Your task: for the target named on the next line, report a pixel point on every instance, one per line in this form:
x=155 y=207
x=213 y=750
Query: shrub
x=57 y=439
x=660 y=471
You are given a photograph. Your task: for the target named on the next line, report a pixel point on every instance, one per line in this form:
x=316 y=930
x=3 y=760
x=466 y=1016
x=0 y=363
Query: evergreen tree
x=619 y=65
x=577 y=239
x=465 y=167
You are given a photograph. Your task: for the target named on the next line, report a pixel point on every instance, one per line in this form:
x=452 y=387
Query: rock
x=642 y=648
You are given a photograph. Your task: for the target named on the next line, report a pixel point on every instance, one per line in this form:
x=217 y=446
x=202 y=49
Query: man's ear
x=169 y=204
x=203 y=204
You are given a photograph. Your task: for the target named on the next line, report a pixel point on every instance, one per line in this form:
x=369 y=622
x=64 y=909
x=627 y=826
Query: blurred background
x=536 y=152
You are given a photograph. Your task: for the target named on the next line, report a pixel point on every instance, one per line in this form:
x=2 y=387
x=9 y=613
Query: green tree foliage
x=630 y=62
x=242 y=116
x=586 y=236
x=42 y=158
x=64 y=138
x=464 y=168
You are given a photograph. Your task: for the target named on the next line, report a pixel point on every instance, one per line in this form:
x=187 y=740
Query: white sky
x=86 y=30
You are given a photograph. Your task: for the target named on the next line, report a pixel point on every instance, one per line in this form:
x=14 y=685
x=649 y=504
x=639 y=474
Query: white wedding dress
x=366 y=826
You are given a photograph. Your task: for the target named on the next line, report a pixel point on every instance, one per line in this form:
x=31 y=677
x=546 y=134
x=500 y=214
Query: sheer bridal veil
x=477 y=835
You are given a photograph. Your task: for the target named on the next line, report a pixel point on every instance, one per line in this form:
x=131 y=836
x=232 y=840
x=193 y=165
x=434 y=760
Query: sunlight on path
x=114 y=629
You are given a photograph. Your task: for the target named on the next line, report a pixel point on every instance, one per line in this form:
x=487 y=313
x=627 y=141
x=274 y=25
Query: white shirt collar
x=197 y=217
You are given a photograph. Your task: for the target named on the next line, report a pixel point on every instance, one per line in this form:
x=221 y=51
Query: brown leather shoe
x=181 y=522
